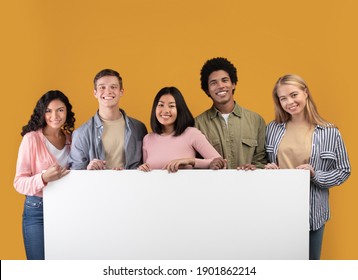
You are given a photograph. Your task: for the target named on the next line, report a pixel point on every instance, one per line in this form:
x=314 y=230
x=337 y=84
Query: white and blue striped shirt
x=329 y=160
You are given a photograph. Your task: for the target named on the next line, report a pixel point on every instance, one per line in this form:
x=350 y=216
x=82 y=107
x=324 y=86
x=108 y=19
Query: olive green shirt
x=240 y=141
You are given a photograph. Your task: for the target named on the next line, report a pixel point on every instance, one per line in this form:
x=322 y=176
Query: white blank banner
x=191 y=214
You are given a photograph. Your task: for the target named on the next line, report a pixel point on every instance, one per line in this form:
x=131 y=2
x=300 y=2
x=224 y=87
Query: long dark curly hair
x=37 y=119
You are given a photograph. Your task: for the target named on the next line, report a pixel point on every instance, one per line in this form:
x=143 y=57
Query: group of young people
x=225 y=136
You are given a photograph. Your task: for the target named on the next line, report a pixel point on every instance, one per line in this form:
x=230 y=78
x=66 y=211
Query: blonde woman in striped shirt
x=300 y=138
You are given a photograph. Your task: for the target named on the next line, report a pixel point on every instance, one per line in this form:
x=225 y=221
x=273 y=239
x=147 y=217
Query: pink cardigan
x=158 y=150
x=33 y=158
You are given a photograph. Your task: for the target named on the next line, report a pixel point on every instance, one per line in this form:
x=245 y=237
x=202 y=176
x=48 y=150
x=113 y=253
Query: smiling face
x=55 y=114
x=108 y=92
x=221 y=89
x=292 y=99
x=166 y=112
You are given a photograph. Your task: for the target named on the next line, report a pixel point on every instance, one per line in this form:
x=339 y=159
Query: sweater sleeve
x=204 y=148
x=28 y=180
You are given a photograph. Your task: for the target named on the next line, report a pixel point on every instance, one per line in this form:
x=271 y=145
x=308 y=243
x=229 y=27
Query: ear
x=95 y=93
x=121 y=92
x=305 y=92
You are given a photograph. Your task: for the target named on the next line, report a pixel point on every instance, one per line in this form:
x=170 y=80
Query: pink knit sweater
x=33 y=158
x=159 y=150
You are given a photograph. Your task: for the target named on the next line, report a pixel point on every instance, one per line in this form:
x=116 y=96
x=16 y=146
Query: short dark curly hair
x=37 y=119
x=216 y=64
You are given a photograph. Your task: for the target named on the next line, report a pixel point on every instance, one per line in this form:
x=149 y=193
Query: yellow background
x=63 y=44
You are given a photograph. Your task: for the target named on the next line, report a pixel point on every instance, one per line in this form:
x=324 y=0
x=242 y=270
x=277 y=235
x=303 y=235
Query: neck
x=48 y=131
x=167 y=130
x=225 y=108
x=109 y=114
x=300 y=119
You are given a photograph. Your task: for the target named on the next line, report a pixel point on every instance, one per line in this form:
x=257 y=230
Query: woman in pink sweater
x=174 y=142
x=42 y=158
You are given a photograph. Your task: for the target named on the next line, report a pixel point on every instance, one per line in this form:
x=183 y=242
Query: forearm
x=28 y=185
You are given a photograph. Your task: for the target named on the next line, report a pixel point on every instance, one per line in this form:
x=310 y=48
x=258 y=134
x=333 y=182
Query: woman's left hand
x=54 y=172
x=174 y=165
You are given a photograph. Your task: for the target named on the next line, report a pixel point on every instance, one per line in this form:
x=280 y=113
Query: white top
x=226 y=117
x=60 y=155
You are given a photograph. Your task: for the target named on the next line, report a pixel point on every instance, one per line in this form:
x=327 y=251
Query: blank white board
x=191 y=214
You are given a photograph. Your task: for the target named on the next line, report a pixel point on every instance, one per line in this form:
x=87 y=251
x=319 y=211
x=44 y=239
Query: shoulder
x=135 y=122
x=328 y=127
x=328 y=130
x=192 y=131
x=132 y=121
x=88 y=125
x=251 y=114
x=192 y=134
x=204 y=115
x=204 y=120
x=273 y=124
x=32 y=139
x=149 y=136
x=274 y=128
x=33 y=135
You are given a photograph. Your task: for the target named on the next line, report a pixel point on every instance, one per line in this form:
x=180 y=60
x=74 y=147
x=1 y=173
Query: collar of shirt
x=213 y=113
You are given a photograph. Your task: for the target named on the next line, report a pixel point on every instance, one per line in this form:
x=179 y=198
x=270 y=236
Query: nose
x=54 y=114
x=220 y=84
x=289 y=100
x=106 y=89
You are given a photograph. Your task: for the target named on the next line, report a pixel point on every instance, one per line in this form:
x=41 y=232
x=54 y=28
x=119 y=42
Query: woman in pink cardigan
x=42 y=158
x=175 y=142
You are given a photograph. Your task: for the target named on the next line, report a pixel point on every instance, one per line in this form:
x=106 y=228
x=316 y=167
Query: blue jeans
x=33 y=228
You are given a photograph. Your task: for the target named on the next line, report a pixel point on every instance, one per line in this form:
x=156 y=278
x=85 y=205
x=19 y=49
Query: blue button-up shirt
x=87 y=143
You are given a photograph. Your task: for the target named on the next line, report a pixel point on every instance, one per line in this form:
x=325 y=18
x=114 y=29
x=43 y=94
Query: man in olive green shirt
x=236 y=133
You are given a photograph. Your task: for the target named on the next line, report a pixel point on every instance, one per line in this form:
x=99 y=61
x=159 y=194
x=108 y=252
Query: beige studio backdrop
x=48 y=44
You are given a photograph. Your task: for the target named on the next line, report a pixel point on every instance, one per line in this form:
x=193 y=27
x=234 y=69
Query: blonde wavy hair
x=311 y=112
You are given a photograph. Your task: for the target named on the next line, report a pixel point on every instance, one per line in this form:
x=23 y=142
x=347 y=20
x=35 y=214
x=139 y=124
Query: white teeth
x=221 y=93
x=108 y=97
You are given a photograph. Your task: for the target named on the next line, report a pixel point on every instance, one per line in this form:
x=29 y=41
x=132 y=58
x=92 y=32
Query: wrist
x=43 y=180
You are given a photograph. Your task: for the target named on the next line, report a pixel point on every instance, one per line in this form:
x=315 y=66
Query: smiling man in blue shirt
x=110 y=139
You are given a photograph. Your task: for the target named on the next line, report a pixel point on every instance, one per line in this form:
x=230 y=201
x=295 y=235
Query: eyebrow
x=295 y=91
x=222 y=78
x=62 y=107
x=103 y=84
x=164 y=102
